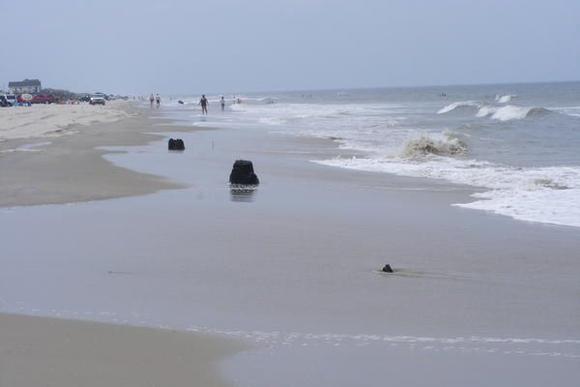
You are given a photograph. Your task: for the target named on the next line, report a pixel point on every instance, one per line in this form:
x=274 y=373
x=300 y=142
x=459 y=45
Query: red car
x=21 y=100
x=41 y=98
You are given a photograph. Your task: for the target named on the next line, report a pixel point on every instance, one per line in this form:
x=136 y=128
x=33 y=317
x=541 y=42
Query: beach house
x=27 y=86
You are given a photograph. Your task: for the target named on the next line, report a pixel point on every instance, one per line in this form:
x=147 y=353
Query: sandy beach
x=67 y=166
x=52 y=120
x=293 y=267
x=38 y=351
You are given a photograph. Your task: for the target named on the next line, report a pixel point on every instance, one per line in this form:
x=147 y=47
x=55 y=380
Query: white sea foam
x=293 y=111
x=573 y=111
x=547 y=195
x=504 y=98
x=354 y=126
x=459 y=105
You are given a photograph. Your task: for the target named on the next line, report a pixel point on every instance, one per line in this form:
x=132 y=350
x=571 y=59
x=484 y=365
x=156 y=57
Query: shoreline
x=127 y=182
x=72 y=168
x=50 y=351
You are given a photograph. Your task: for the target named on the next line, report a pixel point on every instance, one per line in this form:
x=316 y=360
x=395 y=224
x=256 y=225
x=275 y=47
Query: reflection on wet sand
x=242 y=193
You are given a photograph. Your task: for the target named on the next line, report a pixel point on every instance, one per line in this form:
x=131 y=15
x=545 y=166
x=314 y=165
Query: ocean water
x=518 y=144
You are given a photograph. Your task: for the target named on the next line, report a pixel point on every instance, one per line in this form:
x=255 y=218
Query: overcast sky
x=190 y=46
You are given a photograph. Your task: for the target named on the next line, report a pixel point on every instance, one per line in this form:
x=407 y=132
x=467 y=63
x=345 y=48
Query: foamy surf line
x=27 y=148
x=568 y=348
x=563 y=348
x=544 y=195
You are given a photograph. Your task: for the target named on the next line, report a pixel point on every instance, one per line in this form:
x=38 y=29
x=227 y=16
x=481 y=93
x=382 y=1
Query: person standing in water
x=158 y=100
x=203 y=102
x=223 y=103
x=151 y=99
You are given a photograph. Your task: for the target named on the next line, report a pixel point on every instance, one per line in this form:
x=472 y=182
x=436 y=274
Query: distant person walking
x=223 y=103
x=158 y=100
x=151 y=99
x=204 y=103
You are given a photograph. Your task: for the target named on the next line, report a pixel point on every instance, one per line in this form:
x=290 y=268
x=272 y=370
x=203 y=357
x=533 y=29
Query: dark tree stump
x=176 y=144
x=243 y=173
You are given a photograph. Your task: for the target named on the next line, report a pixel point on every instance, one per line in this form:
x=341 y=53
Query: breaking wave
x=511 y=112
x=462 y=105
x=500 y=113
x=425 y=145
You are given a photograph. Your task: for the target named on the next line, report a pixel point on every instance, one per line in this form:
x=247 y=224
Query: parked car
x=97 y=100
x=42 y=98
x=4 y=102
x=103 y=95
x=12 y=99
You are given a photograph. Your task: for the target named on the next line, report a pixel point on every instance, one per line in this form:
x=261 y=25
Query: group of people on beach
x=155 y=99
x=203 y=102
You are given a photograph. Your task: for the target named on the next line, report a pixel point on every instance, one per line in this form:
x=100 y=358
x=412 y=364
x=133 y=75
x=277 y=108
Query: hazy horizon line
x=324 y=89
x=379 y=87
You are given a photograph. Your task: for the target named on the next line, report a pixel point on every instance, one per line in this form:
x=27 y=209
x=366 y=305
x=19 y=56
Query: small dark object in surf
x=176 y=144
x=387 y=269
x=243 y=173
x=180 y=102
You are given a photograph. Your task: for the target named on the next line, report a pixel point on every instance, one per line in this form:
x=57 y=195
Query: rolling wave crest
x=500 y=113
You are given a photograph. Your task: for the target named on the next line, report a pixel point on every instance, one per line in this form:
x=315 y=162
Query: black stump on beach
x=387 y=268
x=243 y=173
x=176 y=144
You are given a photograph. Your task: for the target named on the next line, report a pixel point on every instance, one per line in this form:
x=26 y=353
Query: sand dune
x=50 y=120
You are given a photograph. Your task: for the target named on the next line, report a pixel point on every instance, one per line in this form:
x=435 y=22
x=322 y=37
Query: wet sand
x=38 y=351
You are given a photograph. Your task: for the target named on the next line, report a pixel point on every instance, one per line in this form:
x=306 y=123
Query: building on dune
x=27 y=86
